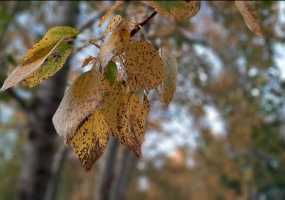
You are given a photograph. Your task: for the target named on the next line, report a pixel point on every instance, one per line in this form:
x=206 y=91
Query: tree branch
x=144 y=22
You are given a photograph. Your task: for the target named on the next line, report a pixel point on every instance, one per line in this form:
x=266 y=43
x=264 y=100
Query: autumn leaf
x=80 y=101
x=112 y=102
x=51 y=65
x=143 y=65
x=88 y=60
x=125 y=114
x=249 y=16
x=54 y=40
x=132 y=116
x=114 y=43
x=167 y=88
x=179 y=10
x=90 y=139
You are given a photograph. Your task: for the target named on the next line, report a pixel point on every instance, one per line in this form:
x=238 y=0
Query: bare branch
x=144 y=22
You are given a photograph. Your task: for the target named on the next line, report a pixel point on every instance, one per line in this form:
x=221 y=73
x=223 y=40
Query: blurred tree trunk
x=40 y=147
x=114 y=173
x=106 y=171
x=127 y=164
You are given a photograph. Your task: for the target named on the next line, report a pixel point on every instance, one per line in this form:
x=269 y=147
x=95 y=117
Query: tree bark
x=107 y=171
x=40 y=147
x=127 y=164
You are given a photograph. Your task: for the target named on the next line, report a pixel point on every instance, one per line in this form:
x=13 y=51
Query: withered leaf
x=90 y=139
x=143 y=65
x=249 y=16
x=179 y=10
x=132 y=117
x=88 y=60
x=167 y=88
x=114 y=43
x=79 y=101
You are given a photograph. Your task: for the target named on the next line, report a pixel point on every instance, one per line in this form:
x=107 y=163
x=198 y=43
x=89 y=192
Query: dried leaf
x=179 y=10
x=110 y=107
x=168 y=86
x=125 y=115
x=132 y=116
x=143 y=65
x=114 y=43
x=249 y=16
x=79 y=101
x=37 y=55
x=90 y=139
x=88 y=60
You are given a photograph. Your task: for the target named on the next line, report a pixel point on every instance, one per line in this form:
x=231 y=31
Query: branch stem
x=144 y=22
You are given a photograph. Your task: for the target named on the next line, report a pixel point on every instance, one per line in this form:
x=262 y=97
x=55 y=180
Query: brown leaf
x=90 y=139
x=125 y=115
x=143 y=65
x=79 y=101
x=114 y=43
x=249 y=16
x=179 y=10
x=132 y=122
x=88 y=60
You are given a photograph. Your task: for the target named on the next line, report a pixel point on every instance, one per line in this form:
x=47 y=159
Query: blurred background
x=222 y=137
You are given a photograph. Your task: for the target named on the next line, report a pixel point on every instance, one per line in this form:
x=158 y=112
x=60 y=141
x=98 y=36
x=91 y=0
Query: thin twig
x=144 y=22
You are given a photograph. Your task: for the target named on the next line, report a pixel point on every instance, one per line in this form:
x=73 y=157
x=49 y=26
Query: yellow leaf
x=48 y=41
x=53 y=63
x=79 y=101
x=143 y=65
x=110 y=107
x=249 y=17
x=179 y=10
x=23 y=71
x=132 y=117
x=38 y=54
x=90 y=139
x=168 y=86
x=125 y=115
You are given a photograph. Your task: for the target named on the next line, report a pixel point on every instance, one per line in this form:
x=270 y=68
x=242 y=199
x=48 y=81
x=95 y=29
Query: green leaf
x=50 y=53
x=111 y=72
x=52 y=64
